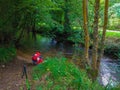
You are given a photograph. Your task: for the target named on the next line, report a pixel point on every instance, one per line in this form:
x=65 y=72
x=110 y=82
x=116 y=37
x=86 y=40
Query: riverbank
x=10 y=79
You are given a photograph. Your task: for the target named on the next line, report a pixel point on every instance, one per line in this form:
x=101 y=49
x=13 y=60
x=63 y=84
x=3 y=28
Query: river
x=109 y=72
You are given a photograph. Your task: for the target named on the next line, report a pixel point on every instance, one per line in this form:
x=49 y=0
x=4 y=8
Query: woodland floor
x=11 y=73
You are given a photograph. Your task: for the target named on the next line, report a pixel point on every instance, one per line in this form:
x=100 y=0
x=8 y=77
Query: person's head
x=38 y=53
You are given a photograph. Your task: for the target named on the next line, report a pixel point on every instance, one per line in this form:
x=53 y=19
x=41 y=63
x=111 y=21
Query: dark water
x=109 y=72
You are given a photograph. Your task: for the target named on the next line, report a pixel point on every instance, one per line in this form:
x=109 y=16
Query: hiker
x=37 y=58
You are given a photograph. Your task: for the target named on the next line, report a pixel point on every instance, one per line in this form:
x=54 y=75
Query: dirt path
x=10 y=74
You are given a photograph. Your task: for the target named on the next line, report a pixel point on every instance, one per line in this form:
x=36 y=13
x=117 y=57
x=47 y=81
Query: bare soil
x=11 y=73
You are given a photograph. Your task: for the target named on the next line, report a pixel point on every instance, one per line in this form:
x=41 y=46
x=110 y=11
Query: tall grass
x=59 y=74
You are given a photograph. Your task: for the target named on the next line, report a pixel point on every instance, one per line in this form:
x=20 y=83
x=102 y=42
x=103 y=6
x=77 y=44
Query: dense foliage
x=59 y=19
x=7 y=54
x=114 y=14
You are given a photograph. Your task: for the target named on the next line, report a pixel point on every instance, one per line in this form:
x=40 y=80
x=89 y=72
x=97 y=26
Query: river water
x=109 y=73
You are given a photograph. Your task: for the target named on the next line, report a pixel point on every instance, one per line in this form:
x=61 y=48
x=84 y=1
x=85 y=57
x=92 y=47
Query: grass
x=59 y=74
x=113 y=34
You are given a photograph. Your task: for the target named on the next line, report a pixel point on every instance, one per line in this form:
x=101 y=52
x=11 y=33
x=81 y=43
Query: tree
x=104 y=31
x=24 y=17
x=95 y=35
x=6 y=29
x=69 y=13
x=85 y=26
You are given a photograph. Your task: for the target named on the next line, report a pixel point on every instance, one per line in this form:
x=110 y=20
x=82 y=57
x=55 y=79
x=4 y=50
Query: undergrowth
x=7 y=54
x=59 y=74
x=112 y=48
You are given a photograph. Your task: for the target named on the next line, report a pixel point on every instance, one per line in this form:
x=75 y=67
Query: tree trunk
x=85 y=26
x=95 y=35
x=104 y=32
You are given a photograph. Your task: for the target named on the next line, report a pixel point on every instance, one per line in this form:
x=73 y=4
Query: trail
x=10 y=74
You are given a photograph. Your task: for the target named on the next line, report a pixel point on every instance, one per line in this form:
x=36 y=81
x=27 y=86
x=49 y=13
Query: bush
x=7 y=54
x=59 y=74
x=112 y=48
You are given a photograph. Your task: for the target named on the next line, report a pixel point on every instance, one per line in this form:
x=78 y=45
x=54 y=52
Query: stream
x=109 y=73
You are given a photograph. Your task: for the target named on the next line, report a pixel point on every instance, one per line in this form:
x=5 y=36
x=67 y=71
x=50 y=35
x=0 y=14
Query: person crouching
x=37 y=58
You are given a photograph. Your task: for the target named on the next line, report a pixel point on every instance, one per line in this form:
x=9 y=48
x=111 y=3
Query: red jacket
x=37 y=58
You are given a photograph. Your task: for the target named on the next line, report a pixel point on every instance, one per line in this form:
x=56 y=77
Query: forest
x=78 y=42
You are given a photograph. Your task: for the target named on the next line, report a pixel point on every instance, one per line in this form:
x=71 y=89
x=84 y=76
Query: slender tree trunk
x=85 y=26
x=104 y=32
x=95 y=35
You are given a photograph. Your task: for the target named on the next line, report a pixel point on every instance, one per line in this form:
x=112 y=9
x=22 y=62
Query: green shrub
x=7 y=54
x=112 y=48
x=59 y=74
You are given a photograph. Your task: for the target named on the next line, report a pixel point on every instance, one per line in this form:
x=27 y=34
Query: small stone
x=16 y=85
x=3 y=66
